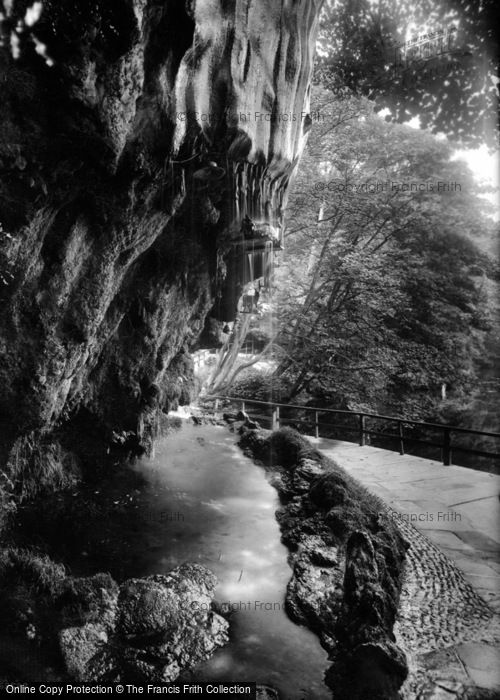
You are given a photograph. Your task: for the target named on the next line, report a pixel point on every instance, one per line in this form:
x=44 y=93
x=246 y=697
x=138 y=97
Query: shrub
x=287 y=447
x=329 y=490
x=259 y=386
x=284 y=447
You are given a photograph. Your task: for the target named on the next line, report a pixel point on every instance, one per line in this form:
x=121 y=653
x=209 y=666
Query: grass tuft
x=37 y=571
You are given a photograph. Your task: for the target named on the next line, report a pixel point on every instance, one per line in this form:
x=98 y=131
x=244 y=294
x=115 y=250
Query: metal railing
x=363 y=431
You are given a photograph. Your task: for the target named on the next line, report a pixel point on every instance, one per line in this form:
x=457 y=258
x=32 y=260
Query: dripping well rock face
x=127 y=166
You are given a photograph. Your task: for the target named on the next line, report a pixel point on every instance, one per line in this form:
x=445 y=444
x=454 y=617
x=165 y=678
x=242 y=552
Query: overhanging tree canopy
x=437 y=61
x=381 y=297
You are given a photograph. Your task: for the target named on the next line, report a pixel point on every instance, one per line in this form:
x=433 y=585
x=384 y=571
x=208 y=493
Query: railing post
x=362 y=430
x=316 y=424
x=216 y=405
x=446 y=447
x=243 y=407
x=273 y=420
x=277 y=417
x=401 y=438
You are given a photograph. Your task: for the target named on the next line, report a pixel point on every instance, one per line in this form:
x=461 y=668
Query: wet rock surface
x=80 y=646
x=116 y=226
x=163 y=625
x=148 y=629
x=347 y=565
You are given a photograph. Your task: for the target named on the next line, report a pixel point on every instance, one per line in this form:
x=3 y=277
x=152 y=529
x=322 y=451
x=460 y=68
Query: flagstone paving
x=448 y=623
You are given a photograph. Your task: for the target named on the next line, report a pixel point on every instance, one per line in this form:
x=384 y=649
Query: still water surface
x=217 y=508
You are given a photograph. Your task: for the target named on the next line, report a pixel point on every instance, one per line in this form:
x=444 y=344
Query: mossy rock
x=329 y=490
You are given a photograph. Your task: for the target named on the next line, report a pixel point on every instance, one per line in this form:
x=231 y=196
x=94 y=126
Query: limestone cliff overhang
x=245 y=83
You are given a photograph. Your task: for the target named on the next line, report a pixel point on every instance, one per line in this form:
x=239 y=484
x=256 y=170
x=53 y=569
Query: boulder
x=146 y=607
x=168 y=623
x=364 y=628
x=79 y=646
x=319 y=552
x=148 y=629
x=314 y=594
x=374 y=670
x=88 y=599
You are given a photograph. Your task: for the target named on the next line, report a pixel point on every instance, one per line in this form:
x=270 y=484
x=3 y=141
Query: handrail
x=363 y=431
x=409 y=421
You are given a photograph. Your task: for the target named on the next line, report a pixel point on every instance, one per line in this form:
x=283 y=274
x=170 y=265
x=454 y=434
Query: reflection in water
x=225 y=521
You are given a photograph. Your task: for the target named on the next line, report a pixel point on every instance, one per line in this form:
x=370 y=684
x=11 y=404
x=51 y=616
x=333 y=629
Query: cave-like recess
x=129 y=159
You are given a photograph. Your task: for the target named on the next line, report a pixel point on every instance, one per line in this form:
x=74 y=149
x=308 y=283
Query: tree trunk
x=132 y=148
x=228 y=355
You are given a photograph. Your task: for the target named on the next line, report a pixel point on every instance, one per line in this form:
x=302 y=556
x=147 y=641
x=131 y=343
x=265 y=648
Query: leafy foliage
x=260 y=386
x=450 y=80
x=61 y=31
x=382 y=301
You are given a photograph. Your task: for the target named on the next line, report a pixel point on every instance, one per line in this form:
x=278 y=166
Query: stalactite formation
x=133 y=145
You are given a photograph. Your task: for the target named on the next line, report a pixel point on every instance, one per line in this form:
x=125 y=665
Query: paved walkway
x=456 y=508
x=452 y=639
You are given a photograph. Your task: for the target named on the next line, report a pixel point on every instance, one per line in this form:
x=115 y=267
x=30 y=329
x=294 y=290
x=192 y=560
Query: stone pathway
x=448 y=621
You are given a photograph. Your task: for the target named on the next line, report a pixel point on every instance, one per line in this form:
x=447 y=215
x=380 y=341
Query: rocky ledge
x=92 y=629
x=347 y=562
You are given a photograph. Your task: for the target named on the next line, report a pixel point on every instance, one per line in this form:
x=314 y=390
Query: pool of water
x=216 y=507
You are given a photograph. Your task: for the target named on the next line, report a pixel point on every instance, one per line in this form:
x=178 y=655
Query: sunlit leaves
x=454 y=89
x=380 y=302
